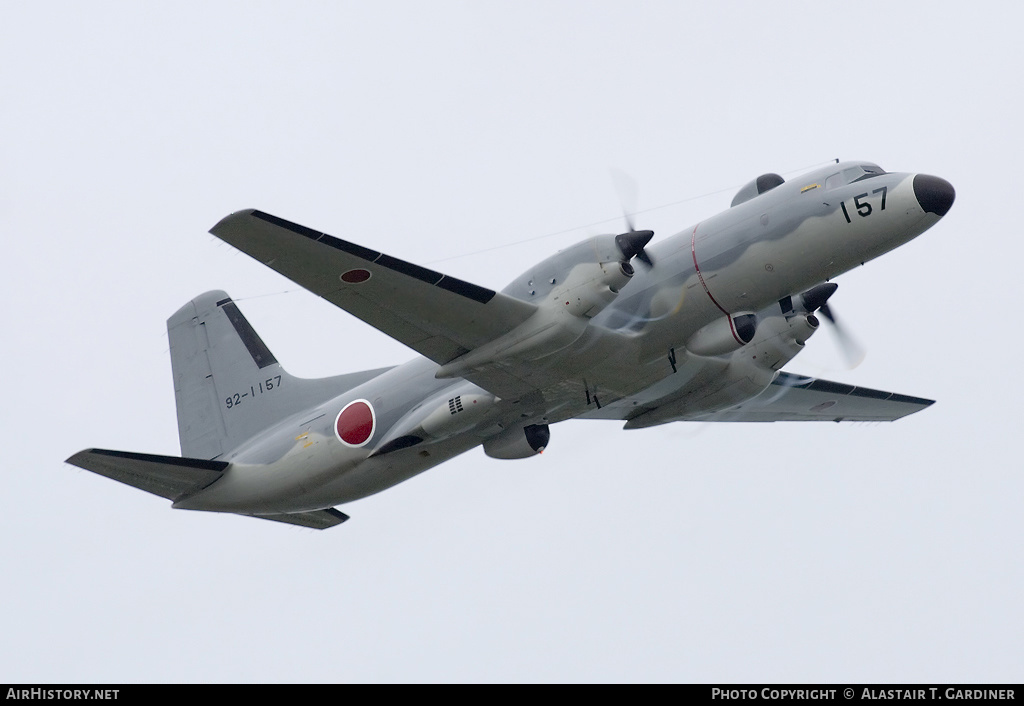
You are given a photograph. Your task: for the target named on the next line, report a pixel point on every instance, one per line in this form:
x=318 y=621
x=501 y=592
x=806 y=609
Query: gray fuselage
x=625 y=353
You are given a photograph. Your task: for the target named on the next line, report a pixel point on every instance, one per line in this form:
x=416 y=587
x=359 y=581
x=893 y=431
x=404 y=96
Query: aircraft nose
x=934 y=194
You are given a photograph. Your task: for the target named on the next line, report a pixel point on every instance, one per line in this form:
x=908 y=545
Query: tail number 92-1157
x=254 y=390
x=862 y=205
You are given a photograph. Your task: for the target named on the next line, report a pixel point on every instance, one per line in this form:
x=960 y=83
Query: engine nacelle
x=750 y=370
x=578 y=283
x=779 y=339
x=736 y=381
x=598 y=264
x=518 y=442
x=590 y=287
x=723 y=335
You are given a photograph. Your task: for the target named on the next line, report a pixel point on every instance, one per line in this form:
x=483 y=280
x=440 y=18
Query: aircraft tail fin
x=228 y=386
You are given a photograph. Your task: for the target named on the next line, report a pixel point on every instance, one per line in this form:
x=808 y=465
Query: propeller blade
x=626 y=191
x=826 y=311
x=852 y=350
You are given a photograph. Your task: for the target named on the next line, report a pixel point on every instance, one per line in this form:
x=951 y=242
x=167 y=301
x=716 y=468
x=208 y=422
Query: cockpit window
x=852 y=174
x=870 y=170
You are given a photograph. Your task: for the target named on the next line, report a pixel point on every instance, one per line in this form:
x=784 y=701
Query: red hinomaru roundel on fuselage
x=355 y=423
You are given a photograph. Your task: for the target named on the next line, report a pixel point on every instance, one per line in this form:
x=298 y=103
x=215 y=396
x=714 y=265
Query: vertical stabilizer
x=228 y=386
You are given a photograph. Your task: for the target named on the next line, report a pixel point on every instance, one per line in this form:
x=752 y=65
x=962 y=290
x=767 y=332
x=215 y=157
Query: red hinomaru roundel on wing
x=355 y=276
x=355 y=423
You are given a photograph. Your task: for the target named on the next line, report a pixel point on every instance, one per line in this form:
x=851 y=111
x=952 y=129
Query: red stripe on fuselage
x=693 y=252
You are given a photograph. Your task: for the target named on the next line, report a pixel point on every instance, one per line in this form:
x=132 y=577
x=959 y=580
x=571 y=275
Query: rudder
x=228 y=386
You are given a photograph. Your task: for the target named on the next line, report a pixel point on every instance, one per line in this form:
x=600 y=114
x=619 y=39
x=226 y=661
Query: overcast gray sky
x=431 y=131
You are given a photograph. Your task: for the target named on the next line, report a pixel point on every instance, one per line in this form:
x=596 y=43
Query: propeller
x=632 y=242
x=816 y=299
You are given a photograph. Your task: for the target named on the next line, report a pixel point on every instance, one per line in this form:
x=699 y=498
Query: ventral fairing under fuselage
x=695 y=327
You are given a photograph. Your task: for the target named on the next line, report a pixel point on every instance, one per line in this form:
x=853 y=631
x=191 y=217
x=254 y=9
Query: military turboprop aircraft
x=699 y=330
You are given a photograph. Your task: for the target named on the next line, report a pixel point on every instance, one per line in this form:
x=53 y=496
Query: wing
x=790 y=398
x=795 y=398
x=438 y=316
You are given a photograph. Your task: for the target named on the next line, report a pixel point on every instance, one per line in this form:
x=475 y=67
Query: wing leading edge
x=438 y=316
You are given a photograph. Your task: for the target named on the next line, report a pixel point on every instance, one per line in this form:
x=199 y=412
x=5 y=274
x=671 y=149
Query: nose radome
x=934 y=194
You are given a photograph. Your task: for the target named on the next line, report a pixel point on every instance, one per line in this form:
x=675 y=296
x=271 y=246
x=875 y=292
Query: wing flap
x=166 y=476
x=438 y=316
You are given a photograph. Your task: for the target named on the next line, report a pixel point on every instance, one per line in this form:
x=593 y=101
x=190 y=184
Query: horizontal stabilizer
x=167 y=476
x=317 y=519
